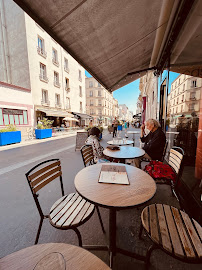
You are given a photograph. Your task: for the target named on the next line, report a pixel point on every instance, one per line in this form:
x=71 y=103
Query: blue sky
x=129 y=93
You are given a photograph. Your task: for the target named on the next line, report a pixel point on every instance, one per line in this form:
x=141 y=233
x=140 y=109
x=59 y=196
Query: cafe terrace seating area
x=135 y=226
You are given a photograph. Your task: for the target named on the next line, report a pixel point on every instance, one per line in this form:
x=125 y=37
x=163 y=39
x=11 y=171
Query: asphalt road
x=19 y=218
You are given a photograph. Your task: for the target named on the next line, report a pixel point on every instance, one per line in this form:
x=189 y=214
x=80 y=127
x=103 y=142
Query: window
x=41 y=47
x=99 y=102
x=173 y=102
x=153 y=97
x=173 y=110
x=81 y=107
x=184 y=77
x=98 y=85
x=44 y=97
x=55 y=57
x=43 y=75
x=91 y=102
x=183 y=87
x=182 y=98
x=56 y=79
x=181 y=108
x=91 y=111
x=99 y=112
x=192 y=96
x=68 y=103
x=176 y=109
x=99 y=93
x=67 y=84
x=177 y=100
x=80 y=77
x=80 y=91
x=57 y=99
x=91 y=93
x=191 y=107
x=179 y=81
x=193 y=83
x=178 y=91
x=175 y=84
x=90 y=84
x=66 y=65
x=13 y=116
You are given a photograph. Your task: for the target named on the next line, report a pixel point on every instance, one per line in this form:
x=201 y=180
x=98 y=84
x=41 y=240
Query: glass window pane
x=11 y=119
x=16 y=119
x=6 y=121
x=25 y=117
x=1 y=118
x=21 y=119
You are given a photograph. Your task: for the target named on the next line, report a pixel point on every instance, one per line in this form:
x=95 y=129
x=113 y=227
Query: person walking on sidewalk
x=115 y=125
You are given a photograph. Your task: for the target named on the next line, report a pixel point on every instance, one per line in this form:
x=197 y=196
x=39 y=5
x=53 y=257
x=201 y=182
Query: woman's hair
x=95 y=131
x=153 y=122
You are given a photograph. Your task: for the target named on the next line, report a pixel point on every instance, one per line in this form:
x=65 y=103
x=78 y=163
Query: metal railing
x=43 y=78
x=42 y=52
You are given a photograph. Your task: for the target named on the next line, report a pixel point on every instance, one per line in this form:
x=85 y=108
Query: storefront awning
x=70 y=119
x=82 y=115
x=55 y=113
x=117 y=41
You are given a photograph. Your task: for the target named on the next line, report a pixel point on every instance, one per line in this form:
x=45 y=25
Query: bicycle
x=31 y=133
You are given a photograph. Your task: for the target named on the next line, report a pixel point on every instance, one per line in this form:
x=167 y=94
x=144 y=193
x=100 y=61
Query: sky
x=129 y=93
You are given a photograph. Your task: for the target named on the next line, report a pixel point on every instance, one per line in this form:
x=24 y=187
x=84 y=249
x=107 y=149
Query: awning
x=82 y=115
x=70 y=119
x=55 y=113
x=118 y=41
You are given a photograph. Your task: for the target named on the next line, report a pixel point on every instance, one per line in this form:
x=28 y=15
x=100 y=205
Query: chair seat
x=70 y=211
x=174 y=231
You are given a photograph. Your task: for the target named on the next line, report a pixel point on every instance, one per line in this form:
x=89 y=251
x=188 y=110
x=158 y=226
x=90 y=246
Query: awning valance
x=82 y=115
x=70 y=119
x=55 y=113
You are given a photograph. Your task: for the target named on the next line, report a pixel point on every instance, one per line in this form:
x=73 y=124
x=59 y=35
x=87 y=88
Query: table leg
x=112 y=236
x=133 y=139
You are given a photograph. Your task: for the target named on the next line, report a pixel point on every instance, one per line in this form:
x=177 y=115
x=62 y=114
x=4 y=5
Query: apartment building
x=124 y=113
x=33 y=60
x=100 y=103
x=184 y=97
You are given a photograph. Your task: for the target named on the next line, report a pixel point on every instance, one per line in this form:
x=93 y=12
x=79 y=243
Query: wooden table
x=115 y=197
x=120 y=142
x=125 y=152
x=55 y=256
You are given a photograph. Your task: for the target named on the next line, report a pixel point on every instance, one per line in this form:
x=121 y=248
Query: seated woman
x=97 y=148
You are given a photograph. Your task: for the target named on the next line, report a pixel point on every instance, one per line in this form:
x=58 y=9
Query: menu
x=113 y=174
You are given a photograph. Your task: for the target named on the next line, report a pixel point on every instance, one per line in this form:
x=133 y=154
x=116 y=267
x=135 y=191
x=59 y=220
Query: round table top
x=133 y=132
x=120 y=142
x=54 y=256
x=125 y=152
x=141 y=188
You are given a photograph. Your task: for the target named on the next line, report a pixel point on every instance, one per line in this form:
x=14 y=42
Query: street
x=20 y=218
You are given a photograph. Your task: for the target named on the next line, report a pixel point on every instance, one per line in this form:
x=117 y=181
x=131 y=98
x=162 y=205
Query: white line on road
x=24 y=163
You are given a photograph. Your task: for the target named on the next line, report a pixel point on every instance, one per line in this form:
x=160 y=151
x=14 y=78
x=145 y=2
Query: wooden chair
x=173 y=231
x=87 y=155
x=70 y=211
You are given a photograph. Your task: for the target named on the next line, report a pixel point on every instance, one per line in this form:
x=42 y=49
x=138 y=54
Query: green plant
x=8 y=128
x=45 y=123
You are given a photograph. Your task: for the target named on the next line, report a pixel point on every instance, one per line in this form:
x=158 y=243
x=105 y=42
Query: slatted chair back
x=87 y=155
x=175 y=160
x=43 y=173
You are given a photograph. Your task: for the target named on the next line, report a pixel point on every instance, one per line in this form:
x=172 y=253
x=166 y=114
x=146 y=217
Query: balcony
x=43 y=78
x=55 y=62
x=56 y=84
x=91 y=104
x=45 y=102
x=41 y=52
x=67 y=89
x=192 y=98
x=58 y=105
x=66 y=69
x=80 y=79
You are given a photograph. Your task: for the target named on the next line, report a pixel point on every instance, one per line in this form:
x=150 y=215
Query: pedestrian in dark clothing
x=115 y=125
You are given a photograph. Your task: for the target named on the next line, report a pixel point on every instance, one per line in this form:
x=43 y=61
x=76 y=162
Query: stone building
x=33 y=60
x=184 y=97
x=100 y=103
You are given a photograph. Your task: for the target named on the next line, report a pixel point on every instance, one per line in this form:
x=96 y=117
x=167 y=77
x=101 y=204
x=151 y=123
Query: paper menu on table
x=114 y=175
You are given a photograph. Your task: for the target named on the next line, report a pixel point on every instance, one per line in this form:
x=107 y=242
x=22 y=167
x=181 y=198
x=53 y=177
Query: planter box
x=10 y=137
x=120 y=127
x=43 y=133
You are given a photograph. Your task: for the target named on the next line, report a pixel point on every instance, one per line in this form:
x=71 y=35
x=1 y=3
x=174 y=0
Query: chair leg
x=148 y=255
x=78 y=235
x=140 y=232
x=39 y=230
x=98 y=212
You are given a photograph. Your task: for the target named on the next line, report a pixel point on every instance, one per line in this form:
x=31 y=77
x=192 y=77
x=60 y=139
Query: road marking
x=24 y=163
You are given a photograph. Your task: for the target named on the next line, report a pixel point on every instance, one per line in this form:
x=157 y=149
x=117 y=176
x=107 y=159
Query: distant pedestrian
x=125 y=125
x=115 y=125
x=128 y=124
x=91 y=123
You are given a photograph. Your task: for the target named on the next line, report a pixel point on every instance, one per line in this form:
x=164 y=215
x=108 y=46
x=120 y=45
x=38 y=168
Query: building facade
x=33 y=60
x=100 y=103
x=124 y=113
x=184 y=97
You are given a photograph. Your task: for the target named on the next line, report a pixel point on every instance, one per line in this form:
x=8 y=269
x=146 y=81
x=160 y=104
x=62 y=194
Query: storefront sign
x=12 y=111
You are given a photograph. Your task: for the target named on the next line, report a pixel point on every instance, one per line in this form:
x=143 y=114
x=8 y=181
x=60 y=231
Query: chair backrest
x=176 y=159
x=43 y=173
x=164 y=150
x=87 y=155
